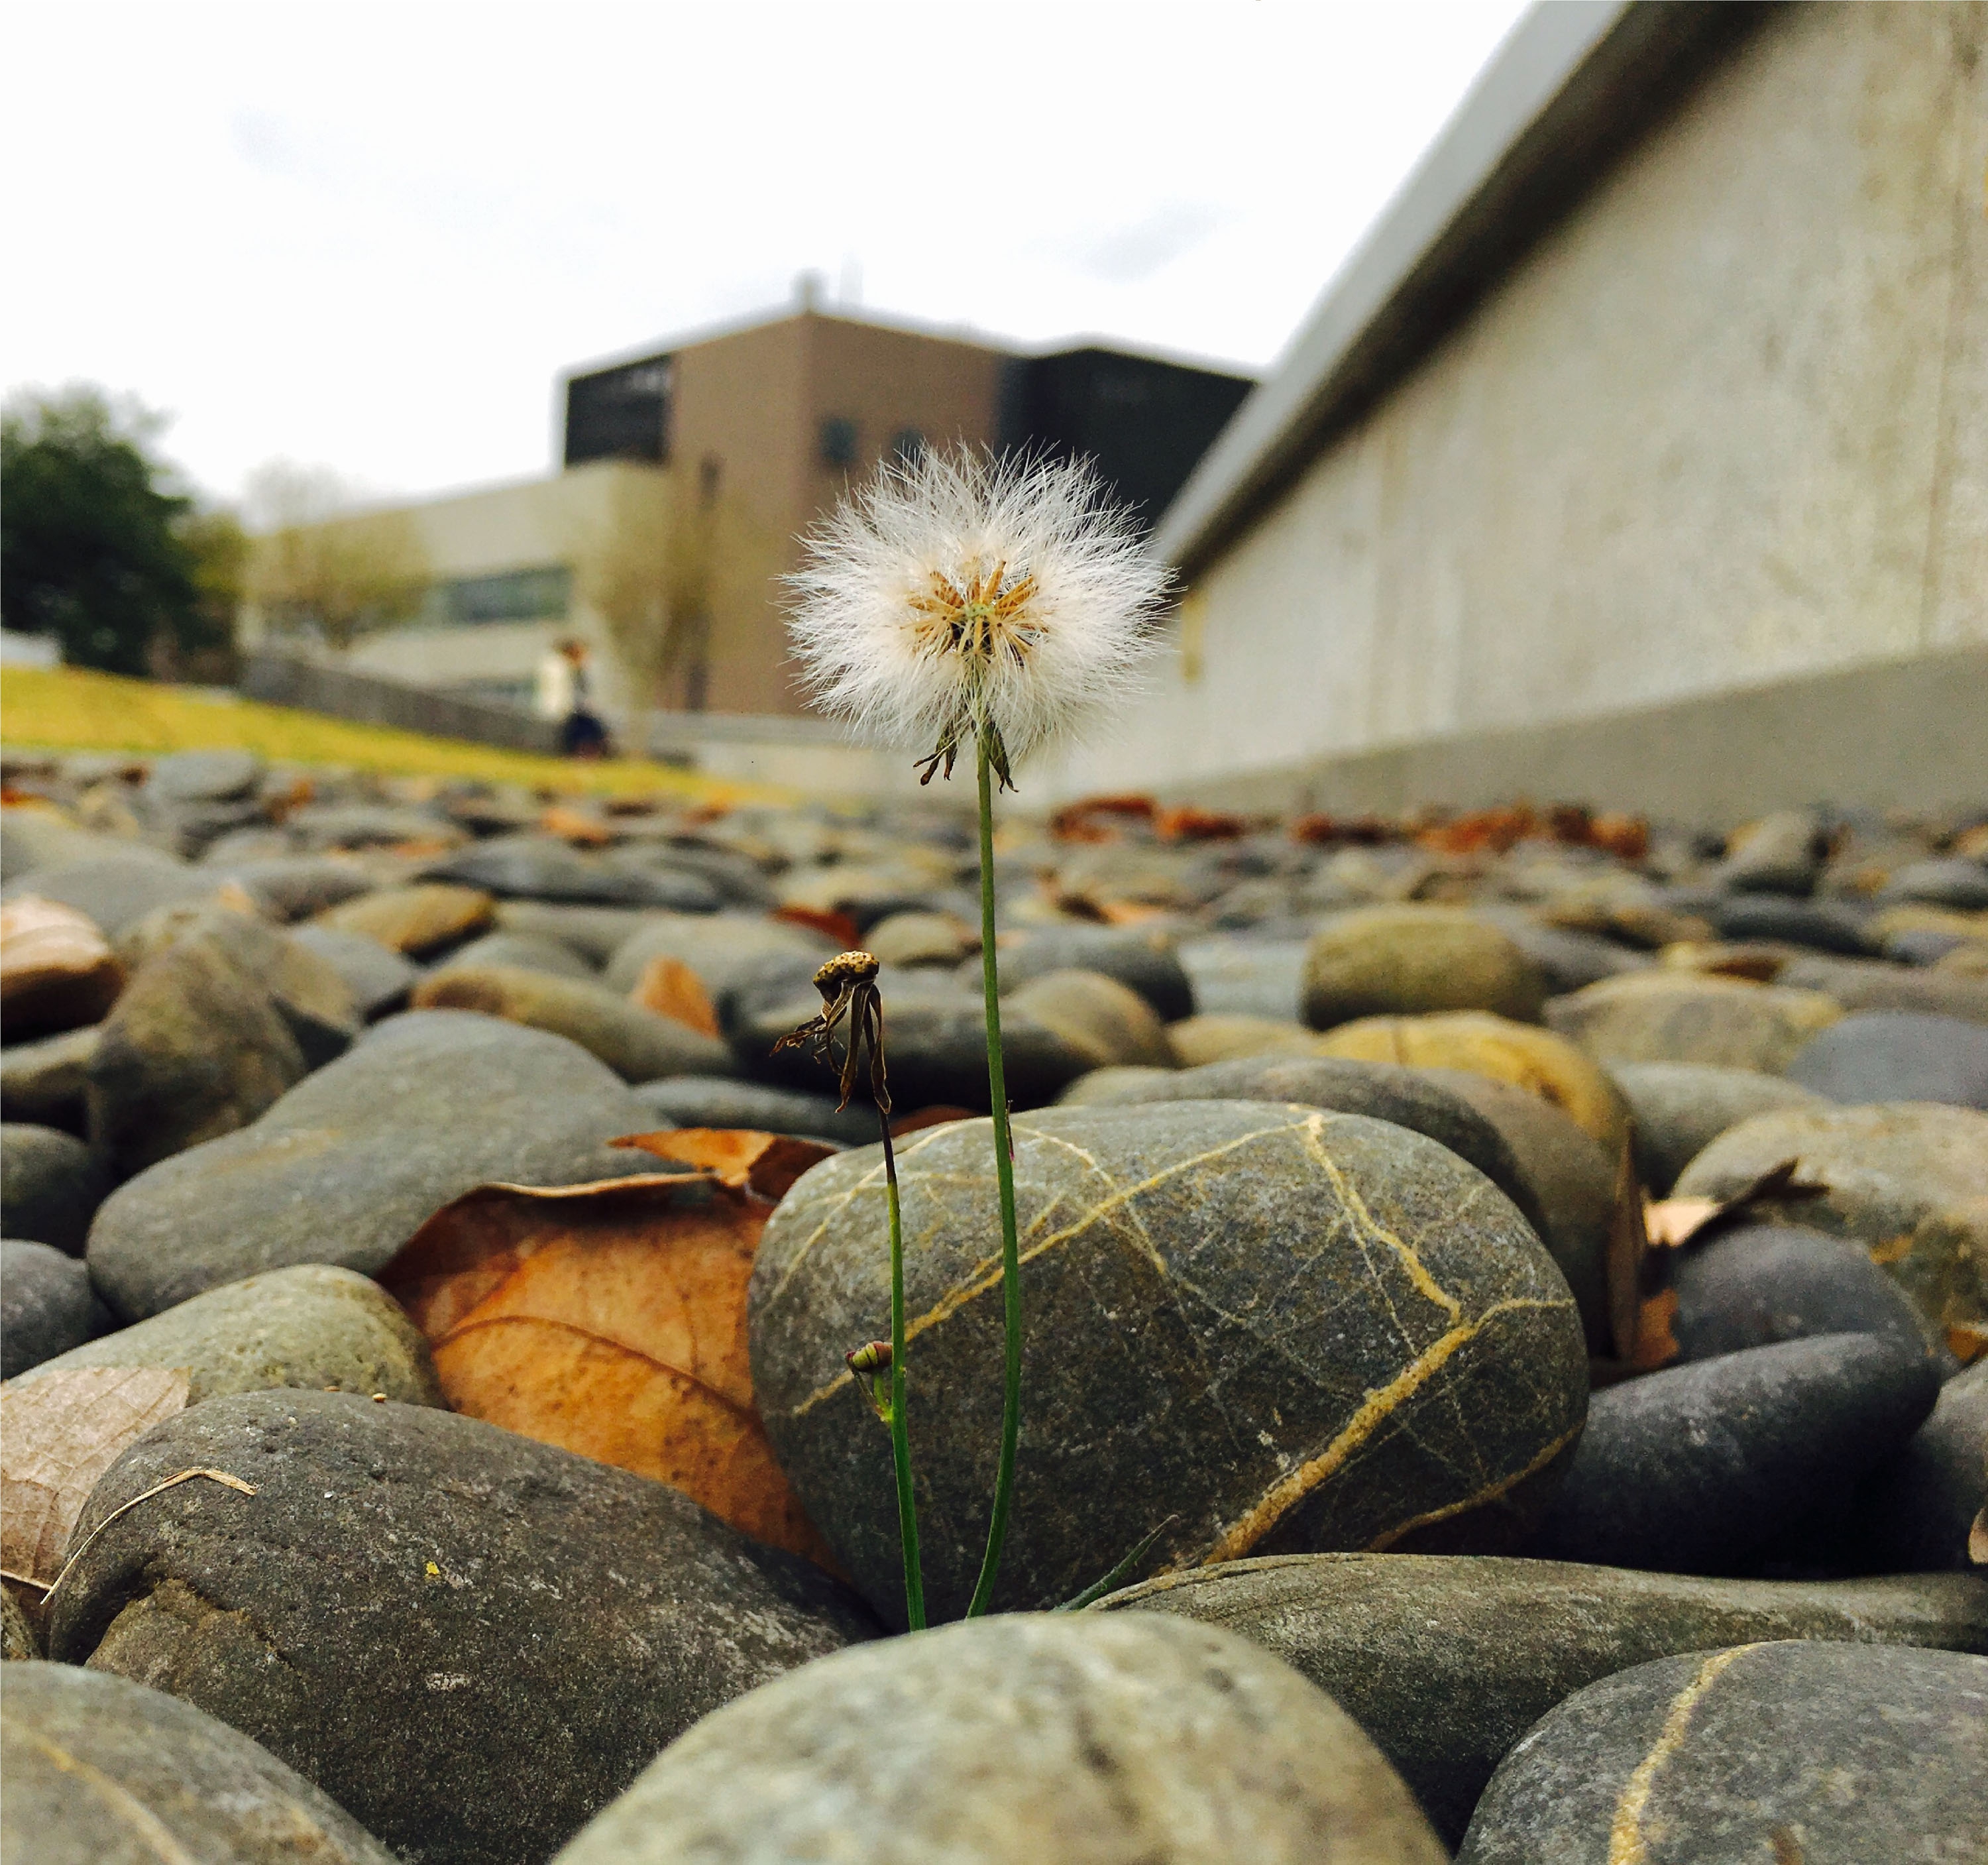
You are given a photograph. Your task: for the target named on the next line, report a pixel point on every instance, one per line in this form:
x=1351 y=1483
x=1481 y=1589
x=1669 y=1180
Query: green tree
x=93 y=544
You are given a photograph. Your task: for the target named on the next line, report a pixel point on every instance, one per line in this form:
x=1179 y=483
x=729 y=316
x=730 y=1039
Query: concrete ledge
x=1896 y=734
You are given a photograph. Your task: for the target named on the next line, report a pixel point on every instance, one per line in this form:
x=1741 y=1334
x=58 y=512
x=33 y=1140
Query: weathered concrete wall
x=1726 y=426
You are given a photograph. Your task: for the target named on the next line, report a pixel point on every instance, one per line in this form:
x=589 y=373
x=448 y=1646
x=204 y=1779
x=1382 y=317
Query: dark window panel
x=620 y=414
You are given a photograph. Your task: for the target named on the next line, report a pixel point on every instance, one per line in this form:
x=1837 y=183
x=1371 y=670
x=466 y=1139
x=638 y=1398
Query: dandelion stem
x=1004 y=1173
x=901 y=1439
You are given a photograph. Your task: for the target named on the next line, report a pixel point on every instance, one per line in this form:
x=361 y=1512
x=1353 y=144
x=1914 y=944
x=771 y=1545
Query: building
x=1640 y=454
x=687 y=473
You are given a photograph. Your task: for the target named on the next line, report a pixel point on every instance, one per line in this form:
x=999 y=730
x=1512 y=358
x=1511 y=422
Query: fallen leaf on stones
x=226 y=1478
x=1186 y=823
x=938 y=1114
x=59 y=1434
x=1977 y=1540
x=669 y=988
x=1967 y=1341
x=609 y=1320
x=1089 y=819
x=56 y=970
x=1656 y=1345
x=1678 y=1221
x=839 y=926
x=741 y=1159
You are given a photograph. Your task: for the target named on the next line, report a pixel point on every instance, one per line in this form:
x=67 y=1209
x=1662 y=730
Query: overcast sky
x=369 y=236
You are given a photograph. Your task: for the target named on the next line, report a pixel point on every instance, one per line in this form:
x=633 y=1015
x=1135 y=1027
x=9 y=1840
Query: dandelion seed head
x=961 y=591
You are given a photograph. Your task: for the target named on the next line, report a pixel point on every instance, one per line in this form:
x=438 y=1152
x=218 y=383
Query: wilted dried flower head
x=961 y=595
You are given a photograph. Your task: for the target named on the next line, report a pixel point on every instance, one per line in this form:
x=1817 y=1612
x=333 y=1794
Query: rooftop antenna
x=808 y=287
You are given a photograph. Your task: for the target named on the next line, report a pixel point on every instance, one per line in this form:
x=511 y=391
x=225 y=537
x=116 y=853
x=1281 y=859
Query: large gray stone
x=1784 y=1751
x=1908 y=1180
x=47 y=1305
x=1445 y=1661
x=1897 y=1055
x=1693 y=1017
x=483 y=1639
x=1681 y=1108
x=50 y=1184
x=348 y=1164
x=311 y=1326
x=378 y=977
x=1265 y=1327
x=636 y=1043
x=1917 y=1508
x=104 y=1772
x=1022 y=1739
x=1698 y=1468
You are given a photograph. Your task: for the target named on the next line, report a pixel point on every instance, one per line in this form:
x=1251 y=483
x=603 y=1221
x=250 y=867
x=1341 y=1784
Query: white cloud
x=371 y=235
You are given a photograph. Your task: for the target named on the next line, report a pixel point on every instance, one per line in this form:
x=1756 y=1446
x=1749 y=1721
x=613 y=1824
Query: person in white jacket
x=561 y=693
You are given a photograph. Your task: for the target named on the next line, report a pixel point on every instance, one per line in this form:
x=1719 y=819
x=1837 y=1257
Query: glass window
x=908 y=445
x=541 y=594
x=838 y=441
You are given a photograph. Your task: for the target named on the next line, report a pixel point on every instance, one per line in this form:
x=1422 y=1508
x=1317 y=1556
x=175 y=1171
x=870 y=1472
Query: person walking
x=563 y=694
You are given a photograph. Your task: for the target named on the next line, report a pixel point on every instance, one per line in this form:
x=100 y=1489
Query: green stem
x=1004 y=1173
x=901 y=1438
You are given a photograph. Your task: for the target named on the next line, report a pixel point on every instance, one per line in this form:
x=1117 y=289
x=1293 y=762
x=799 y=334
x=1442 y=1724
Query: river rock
x=1694 y=1469
x=721 y=1101
x=484 y=1638
x=1907 y=1180
x=1108 y=1023
x=540 y=868
x=1783 y=1751
x=221 y=776
x=1146 y=962
x=1403 y=961
x=115 y=890
x=921 y=938
x=416 y=920
x=1780 y=854
x=47 y=1305
x=1407 y=1097
x=296 y=886
x=57 y=971
x=350 y=1164
x=1568 y=1186
x=44 y=1083
x=637 y=1044
x=1262 y=1326
x=1679 y=1108
x=1445 y=1661
x=311 y=1326
x=1953 y=882
x=377 y=977
x=1220 y=1037
x=1916 y=1508
x=1537 y=1060
x=721 y=947
x=529 y=951
x=1248 y=977
x=1872 y=984
x=595 y=932
x=1022 y=1738
x=1688 y=1016
x=1897 y=1056
x=936 y=1041
x=104 y=1772
x=196 y=1048
x=1763 y=1283
x=18 y=1641
x=50 y=1184
x=1823 y=926
x=320 y=826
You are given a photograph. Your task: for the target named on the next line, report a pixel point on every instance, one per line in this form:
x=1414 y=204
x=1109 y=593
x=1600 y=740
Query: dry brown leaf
x=575 y=826
x=55 y=967
x=765 y=1164
x=609 y=1319
x=669 y=988
x=1656 y=1345
x=940 y=1114
x=838 y=927
x=59 y=1434
x=1678 y=1221
x=1977 y=1540
x=1967 y=1341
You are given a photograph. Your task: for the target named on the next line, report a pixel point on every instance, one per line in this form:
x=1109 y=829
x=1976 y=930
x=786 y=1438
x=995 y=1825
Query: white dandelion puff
x=964 y=595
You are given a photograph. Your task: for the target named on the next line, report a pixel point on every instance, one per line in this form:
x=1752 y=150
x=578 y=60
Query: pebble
x=377 y=978
x=531 y=867
x=1343 y=1338
x=296 y=886
x=1784 y=1750
x=204 y=776
x=44 y=1083
x=1870 y=984
x=1147 y=963
x=1685 y=1017
x=638 y=1045
x=346 y=1167
x=1955 y=882
x=1404 y=961
x=1916 y=1509
x=1219 y=1037
x=1679 y=1108
x=114 y=890
x=1696 y=1468
x=1897 y=1055
x=50 y=1185
x=1780 y=854
x=312 y=1326
x=1821 y=926
x=47 y=1305
x=1243 y=977
x=1907 y=1180
x=921 y=938
x=101 y=1771
x=722 y=1101
x=417 y=920
x=1013 y=1740
x=1107 y=1022
x=483 y=1639
x=1445 y=1661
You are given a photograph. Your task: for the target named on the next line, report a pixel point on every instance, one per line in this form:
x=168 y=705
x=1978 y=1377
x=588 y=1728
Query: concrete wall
x=1726 y=426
